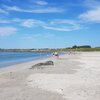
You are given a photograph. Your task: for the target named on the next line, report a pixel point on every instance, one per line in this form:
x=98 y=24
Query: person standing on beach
x=56 y=54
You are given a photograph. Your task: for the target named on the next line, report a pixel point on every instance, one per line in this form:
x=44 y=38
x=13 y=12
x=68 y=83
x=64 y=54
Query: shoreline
x=30 y=62
x=73 y=77
x=24 y=65
x=20 y=62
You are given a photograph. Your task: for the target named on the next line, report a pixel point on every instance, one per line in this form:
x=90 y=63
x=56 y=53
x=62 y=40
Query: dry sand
x=73 y=77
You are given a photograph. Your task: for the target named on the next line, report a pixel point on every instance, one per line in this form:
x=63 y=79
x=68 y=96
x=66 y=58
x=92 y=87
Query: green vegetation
x=78 y=48
x=84 y=46
x=83 y=49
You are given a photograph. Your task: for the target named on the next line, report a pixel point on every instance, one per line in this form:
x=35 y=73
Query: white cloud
x=23 y=22
x=6 y=31
x=67 y=23
x=28 y=23
x=93 y=12
x=41 y=2
x=3 y=11
x=13 y=8
x=62 y=25
x=63 y=21
x=32 y=23
x=56 y=28
x=91 y=15
x=7 y=21
x=38 y=10
x=57 y=25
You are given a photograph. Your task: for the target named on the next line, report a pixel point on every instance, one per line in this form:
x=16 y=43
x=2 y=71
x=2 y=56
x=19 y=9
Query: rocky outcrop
x=43 y=64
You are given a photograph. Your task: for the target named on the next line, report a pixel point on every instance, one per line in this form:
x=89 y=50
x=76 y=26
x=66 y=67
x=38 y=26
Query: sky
x=49 y=23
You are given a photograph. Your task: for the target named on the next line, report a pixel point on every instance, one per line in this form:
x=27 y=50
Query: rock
x=43 y=64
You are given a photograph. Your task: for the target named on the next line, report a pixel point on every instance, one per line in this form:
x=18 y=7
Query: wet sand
x=73 y=77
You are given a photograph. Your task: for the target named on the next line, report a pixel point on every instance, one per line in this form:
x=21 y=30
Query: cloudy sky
x=49 y=23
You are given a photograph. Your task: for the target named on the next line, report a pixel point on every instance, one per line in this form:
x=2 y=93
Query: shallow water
x=10 y=58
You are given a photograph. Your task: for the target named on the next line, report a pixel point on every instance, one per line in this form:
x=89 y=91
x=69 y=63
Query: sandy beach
x=73 y=76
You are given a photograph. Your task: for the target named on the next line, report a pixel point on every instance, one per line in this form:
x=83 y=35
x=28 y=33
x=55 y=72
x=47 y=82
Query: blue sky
x=49 y=23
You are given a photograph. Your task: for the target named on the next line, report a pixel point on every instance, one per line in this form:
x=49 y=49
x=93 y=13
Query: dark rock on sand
x=43 y=64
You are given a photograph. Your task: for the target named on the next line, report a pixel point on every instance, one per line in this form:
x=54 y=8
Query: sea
x=11 y=58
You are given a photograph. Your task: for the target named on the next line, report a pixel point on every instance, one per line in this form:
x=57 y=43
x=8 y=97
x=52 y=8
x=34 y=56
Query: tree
x=74 y=47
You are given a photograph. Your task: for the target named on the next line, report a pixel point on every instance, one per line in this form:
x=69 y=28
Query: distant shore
x=83 y=48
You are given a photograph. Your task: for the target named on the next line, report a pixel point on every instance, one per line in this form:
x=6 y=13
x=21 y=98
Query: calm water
x=10 y=58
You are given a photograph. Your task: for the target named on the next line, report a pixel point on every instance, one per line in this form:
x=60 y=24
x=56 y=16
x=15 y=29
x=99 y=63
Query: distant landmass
x=73 y=48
